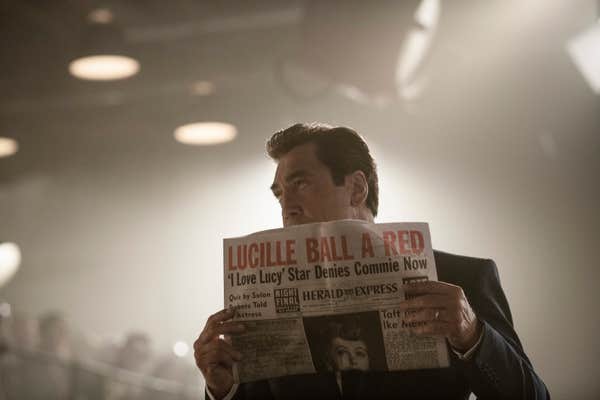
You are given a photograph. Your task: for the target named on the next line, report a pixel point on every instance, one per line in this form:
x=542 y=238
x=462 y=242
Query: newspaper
x=324 y=297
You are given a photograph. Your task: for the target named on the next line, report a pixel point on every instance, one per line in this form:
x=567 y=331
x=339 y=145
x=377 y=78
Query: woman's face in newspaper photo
x=349 y=354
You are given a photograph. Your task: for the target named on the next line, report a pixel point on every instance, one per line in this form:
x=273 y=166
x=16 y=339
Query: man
x=326 y=174
x=51 y=375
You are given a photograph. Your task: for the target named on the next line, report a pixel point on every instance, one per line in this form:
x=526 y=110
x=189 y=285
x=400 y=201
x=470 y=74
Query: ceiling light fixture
x=10 y=259
x=410 y=79
x=101 y=16
x=104 y=67
x=393 y=70
x=8 y=147
x=180 y=349
x=205 y=133
x=5 y=310
x=584 y=50
x=202 y=88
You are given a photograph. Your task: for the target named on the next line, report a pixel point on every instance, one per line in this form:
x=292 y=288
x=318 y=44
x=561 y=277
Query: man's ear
x=359 y=188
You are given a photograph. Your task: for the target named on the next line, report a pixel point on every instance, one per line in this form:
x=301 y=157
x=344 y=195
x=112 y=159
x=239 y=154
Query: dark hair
x=341 y=149
x=347 y=329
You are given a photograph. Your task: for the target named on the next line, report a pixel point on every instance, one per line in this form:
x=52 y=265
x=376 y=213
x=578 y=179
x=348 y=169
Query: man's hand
x=214 y=356
x=441 y=309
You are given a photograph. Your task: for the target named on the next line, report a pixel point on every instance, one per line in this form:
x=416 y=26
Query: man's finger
x=426 y=301
x=220 y=346
x=432 y=328
x=210 y=333
x=215 y=319
x=221 y=316
x=215 y=359
x=433 y=287
x=428 y=314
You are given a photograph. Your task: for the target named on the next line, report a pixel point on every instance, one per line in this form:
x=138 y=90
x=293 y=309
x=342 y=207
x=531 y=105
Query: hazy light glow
x=180 y=349
x=202 y=88
x=428 y=13
x=8 y=147
x=205 y=133
x=10 y=259
x=104 y=67
x=415 y=48
x=101 y=16
x=584 y=50
x=5 y=310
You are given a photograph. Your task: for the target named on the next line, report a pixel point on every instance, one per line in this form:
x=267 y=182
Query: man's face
x=349 y=354
x=305 y=189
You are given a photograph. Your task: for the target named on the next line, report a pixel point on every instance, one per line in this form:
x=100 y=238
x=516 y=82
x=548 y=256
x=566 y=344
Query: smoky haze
x=121 y=227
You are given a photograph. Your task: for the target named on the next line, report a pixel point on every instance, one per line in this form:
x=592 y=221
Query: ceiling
x=250 y=52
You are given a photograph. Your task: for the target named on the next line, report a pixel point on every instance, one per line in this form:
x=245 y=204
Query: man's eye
x=299 y=183
x=342 y=352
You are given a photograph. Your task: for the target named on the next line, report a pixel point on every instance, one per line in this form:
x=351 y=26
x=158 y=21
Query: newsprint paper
x=300 y=288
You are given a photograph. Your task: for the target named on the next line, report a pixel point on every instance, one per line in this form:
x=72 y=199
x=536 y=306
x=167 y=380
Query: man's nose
x=286 y=198
x=289 y=203
x=352 y=360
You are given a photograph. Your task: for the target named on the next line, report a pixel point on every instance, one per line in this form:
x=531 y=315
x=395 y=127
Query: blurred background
x=484 y=118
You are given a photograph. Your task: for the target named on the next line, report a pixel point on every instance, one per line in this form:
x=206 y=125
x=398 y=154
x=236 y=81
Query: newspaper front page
x=319 y=295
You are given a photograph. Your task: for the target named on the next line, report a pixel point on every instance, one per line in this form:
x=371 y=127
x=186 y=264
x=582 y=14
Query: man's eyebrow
x=295 y=174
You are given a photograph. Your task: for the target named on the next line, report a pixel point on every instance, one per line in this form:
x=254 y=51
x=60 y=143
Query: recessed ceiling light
x=101 y=16
x=202 y=88
x=205 y=133
x=104 y=67
x=5 y=310
x=180 y=348
x=8 y=147
x=10 y=259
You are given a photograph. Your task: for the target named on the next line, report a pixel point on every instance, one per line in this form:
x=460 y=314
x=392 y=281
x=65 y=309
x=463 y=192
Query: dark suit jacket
x=498 y=370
